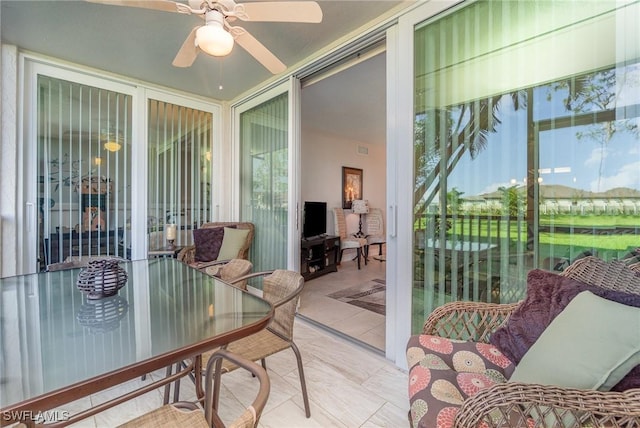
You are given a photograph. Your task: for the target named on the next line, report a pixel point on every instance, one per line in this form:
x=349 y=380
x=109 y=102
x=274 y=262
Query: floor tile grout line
x=333 y=332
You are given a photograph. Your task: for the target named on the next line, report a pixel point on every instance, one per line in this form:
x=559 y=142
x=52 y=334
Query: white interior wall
x=322 y=157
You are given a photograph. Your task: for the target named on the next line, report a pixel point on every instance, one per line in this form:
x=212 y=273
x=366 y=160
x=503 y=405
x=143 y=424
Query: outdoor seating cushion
x=591 y=344
x=548 y=294
x=232 y=241
x=207 y=242
x=444 y=372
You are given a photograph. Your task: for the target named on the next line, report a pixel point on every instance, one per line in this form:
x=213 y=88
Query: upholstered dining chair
x=229 y=271
x=187 y=414
x=349 y=242
x=374 y=232
x=282 y=288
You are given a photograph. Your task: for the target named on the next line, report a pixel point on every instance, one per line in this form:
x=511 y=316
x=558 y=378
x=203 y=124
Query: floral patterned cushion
x=444 y=372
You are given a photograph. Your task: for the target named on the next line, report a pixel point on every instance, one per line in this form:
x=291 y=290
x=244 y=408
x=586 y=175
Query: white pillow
x=592 y=344
x=232 y=241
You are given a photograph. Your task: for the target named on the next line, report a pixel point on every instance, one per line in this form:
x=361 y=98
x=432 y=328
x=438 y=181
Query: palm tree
x=447 y=134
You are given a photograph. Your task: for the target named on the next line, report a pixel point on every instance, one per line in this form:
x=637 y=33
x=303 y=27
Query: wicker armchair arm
x=512 y=404
x=187 y=254
x=468 y=320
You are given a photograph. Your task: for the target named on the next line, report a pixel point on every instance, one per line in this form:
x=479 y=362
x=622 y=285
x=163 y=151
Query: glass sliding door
x=264 y=179
x=83 y=170
x=589 y=158
x=179 y=171
x=525 y=130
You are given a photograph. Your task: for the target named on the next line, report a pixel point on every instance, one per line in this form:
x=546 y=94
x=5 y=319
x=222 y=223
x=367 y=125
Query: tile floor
x=361 y=324
x=349 y=385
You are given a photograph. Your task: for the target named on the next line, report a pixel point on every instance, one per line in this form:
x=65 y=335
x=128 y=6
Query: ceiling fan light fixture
x=112 y=146
x=112 y=139
x=213 y=38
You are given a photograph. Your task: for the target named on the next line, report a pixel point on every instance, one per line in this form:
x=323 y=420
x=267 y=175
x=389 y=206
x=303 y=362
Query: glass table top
x=52 y=336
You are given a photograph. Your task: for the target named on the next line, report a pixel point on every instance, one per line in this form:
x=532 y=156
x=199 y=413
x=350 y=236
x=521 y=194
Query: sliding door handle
x=393 y=222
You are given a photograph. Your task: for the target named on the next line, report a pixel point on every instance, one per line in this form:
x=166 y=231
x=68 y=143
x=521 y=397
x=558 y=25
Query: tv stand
x=319 y=256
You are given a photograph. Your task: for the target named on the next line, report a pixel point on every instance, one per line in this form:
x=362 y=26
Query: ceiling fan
x=216 y=37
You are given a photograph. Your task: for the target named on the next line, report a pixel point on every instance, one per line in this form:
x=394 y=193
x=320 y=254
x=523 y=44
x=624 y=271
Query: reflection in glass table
x=58 y=347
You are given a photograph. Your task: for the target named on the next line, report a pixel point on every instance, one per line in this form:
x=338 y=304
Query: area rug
x=369 y=295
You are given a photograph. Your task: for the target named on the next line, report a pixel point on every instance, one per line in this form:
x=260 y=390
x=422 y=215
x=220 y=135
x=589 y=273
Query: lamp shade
x=360 y=206
x=213 y=38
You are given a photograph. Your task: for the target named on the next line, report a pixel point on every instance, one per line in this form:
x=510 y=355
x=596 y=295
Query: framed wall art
x=351 y=186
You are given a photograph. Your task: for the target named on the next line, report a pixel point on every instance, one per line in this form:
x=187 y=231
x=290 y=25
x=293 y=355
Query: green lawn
x=559 y=243
x=591 y=220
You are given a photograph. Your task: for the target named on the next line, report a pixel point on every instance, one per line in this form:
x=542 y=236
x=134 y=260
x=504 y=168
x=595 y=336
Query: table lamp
x=171 y=234
x=360 y=206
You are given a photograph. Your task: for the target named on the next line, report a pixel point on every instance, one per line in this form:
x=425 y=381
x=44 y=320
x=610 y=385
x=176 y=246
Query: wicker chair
x=229 y=271
x=282 y=288
x=187 y=254
x=511 y=403
x=183 y=414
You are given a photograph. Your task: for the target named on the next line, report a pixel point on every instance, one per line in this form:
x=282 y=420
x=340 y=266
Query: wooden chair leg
x=358 y=252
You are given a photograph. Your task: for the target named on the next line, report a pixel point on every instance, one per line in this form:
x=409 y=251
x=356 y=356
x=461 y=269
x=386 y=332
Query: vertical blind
x=264 y=180
x=84 y=170
x=526 y=145
x=179 y=170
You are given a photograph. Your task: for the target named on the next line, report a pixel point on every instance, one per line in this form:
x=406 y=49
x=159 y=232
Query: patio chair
x=230 y=271
x=348 y=242
x=189 y=414
x=516 y=402
x=282 y=288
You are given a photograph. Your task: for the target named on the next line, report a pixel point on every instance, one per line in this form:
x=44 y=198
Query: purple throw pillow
x=208 y=241
x=547 y=295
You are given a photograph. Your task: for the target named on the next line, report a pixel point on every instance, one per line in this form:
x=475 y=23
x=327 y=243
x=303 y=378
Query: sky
x=584 y=163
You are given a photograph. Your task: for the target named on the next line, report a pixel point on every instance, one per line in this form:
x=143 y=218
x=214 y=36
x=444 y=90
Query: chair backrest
x=340 y=222
x=234 y=269
x=250 y=417
x=614 y=275
x=282 y=289
x=243 y=253
x=374 y=222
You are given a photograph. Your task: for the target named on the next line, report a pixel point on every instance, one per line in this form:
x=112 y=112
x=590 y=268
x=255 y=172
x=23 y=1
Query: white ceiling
x=142 y=43
x=350 y=104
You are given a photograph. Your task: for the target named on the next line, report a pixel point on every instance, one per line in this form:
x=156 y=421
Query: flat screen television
x=314 y=219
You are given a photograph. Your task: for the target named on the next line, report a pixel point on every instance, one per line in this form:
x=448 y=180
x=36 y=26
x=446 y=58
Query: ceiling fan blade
x=188 y=52
x=281 y=11
x=164 y=5
x=257 y=50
